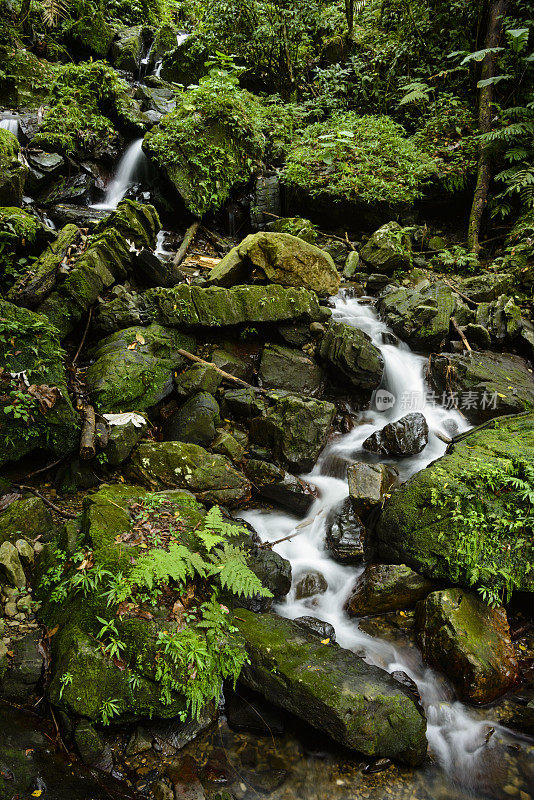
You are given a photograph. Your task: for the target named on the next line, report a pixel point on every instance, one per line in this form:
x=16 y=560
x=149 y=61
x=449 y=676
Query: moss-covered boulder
x=21 y=235
x=386 y=587
x=137 y=222
x=334 y=690
x=184 y=63
x=419 y=317
x=195 y=421
x=415 y=530
x=25 y=518
x=126 y=48
x=294 y=430
x=36 y=411
x=388 y=249
x=210 y=142
x=132 y=370
x=351 y=356
x=211 y=477
x=12 y=170
x=486 y=384
x=281 y=258
x=291 y=370
x=92 y=35
x=26 y=81
x=468 y=641
x=186 y=306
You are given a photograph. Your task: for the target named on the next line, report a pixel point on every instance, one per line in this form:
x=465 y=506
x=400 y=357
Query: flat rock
x=386 y=587
x=368 y=483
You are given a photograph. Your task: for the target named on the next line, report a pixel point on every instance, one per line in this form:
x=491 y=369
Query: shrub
x=366 y=159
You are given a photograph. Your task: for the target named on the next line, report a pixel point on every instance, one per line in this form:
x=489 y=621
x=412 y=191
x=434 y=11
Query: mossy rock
x=132 y=370
x=388 y=249
x=12 y=171
x=351 y=356
x=420 y=318
x=211 y=477
x=126 y=48
x=92 y=34
x=29 y=78
x=185 y=64
x=138 y=222
x=332 y=689
x=30 y=344
x=414 y=531
x=296 y=226
x=25 y=518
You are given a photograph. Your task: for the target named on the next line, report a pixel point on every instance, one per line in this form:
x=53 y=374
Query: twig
x=302 y=526
x=225 y=375
x=79 y=350
x=463 y=296
x=443 y=438
x=44 y=469
x=461 y=334
x=46 y=501
x=88 y=437
x=186 y=243
x=216 y=241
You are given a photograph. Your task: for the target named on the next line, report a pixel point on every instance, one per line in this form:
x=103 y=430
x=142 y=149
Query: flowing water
x=456 y=735
x=132 y=167
x=10 y=124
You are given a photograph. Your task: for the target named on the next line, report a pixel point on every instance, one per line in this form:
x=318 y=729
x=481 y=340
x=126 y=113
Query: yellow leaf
x=325 y=641
x=132 y=346
x=37 y=793
x=140 y=338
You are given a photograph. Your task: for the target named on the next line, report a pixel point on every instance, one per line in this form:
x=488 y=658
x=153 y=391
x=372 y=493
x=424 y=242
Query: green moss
x=12 y=170
x=27 y=78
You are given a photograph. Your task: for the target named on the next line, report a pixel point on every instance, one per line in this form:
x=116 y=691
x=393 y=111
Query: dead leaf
x=140 y=338
x=52 y=631
x=325 y=641
x=47 y=396
x=132 y=346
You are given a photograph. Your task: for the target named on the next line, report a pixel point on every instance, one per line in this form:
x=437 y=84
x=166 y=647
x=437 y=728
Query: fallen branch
x=186 y=243
x=443 y=438
x=82 y=342
x=458 y=292
x=298 y=530
x=88 y=437
x=461 y=334
x=216 y=241
x=45 y=469
x=225 y=375
x=46 y=501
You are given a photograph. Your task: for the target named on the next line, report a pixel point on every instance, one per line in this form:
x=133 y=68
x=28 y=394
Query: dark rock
x=487 y=384
x=486 y=287
x=387 y=249
x=351 y=356
x=469 y=642
x=278 y=486
x=420 y=317
x=232 y=363
x=294 y=429
x=195 y=421
x=245 y=402
x=78 y=190
x=171 y=735
x=290 y=370
x=125 y=432
x=345 y=535
x=386 y=587
x=25 y=669
x=376 y=282
x=248 y=711
x=152 y=270
x=12 y=171
x=316 y=626
x=42 y=168
x=359 y=705
x=197 y=378
x=310 y=584
x=26 y=517
x=406 y=437
x=368 y=483
x=126 y=48
x=92 y=747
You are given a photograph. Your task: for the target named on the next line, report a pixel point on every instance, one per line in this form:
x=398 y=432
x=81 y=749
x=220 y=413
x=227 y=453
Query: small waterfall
x=10 y=124
x=457 y=738
x=157 y=68
x=182 y=37
x=131 y=168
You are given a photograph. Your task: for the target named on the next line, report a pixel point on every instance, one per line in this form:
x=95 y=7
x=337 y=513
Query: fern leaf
x=230 y=568
x=53 y=11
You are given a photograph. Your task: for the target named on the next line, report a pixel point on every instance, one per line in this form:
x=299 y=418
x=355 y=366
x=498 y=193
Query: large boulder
x=468 y=641
x=277 y=486
x=281 y=258
x=186 y=306
x=415 y=530
x=334 y=690
x=25 y=517
x=37 y=412
x=386 y=587
x=345 y=535
x=195 y=421
x=368 y=485
x=12 y=170
x=488 y=286
x=351 y=356
x=132 y=370
x=420 y=317
x=126 y=48
x=388 y=249
x=483 y=384
x=211 y=477
x=406 y=437
x=291 y=370
x=294 y=429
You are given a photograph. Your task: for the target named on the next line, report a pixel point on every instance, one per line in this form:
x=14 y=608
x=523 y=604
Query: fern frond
x=53 y=11
x=232 y=572
x=159 y=566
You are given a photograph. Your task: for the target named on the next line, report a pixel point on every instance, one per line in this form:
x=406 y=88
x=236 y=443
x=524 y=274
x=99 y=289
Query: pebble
x=10 y=609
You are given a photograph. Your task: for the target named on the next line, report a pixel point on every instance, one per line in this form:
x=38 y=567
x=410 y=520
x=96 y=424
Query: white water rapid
x=456 y=736
x=131 y=168
x=10 y=124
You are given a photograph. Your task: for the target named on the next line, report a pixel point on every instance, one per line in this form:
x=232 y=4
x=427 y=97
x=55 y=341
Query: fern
x=178 y=563
x=230 y=568
x=53 y=11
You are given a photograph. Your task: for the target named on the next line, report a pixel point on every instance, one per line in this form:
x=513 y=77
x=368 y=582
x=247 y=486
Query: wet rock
x=351 y=356
x=212 y=478
x=25 y=668
x=469 y=642
x=413 y=530
x=406 y=437
x=294 y=429
x=278 y=486
x=126 y=48
x=419 y=317
x=290 y=370
x=486 y=287
x=332 y=689
x=132 y=369
x=352 y=265
x=245 y=402
x=227 y=445
x=232 y=363
x=11 y=571
x=186 y=306
x=195 y=421
x=92 y=34
x=162 y=791
x=140 y=741
x=12 y=171
x=77 y=189
x=376 y=282
x=368 y=483
x=316 y=626
x=345 y=535
x=386 y=587
x=171 y=735
x=487 y=384
x=388 y=249
x=282 y=259
x=92 y=747
x=152 y=270
x=266 y=781
x=248 y=711
x=310 y=584
x=125 y=431
x=197 y=378
x=42 y=168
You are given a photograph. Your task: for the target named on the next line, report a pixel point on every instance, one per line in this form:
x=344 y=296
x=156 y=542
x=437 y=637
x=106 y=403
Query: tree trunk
x=349 y=13
x=497 y=10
